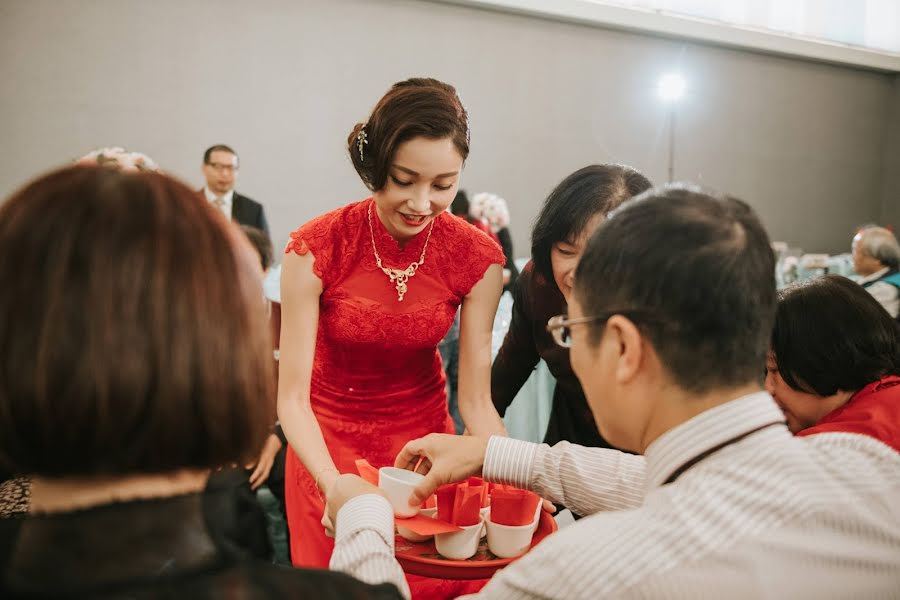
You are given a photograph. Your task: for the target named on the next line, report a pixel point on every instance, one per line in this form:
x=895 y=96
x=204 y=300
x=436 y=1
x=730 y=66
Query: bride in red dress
x=368 y=291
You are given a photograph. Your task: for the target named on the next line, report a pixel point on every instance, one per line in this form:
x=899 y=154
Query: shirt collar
x=229 y=195
x=705 y=431
x=874 y=276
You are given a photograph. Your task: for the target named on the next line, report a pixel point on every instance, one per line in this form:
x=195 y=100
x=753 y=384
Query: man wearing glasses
x=220 y=168
x=670 y=320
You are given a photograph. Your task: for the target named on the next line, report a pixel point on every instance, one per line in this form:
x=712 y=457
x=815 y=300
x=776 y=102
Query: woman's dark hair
x=261 y=243
x=586 y=192
x=696 y=273
x=132 y=329
x=417 y=107
x=831 y=335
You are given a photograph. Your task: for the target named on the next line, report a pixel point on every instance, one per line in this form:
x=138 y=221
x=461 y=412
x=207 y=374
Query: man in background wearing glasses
x=220 y=168
x=669 y=324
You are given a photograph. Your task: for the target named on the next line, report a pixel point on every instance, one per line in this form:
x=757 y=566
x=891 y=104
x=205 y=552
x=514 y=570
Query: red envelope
x=459 y=504
x=425 y=525
x=431 y=501
x=479 y=484
x=367 y=471
x=467 y=505
x=446 y=495
x=513 y=506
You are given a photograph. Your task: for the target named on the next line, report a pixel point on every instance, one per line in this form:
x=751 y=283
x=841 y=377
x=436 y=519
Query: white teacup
x=507 y=541
x=537 y=517
x=459 y=545
x=485 y=515
x=398 y=486
x=412 y=536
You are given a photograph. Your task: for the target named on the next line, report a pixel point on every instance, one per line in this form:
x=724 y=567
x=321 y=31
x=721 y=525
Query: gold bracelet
x=319 y=474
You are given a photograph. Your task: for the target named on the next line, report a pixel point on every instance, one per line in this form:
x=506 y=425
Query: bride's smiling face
x=422 y=181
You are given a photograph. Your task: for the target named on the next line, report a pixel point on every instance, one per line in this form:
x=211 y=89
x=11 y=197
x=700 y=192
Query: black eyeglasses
x=560 y=326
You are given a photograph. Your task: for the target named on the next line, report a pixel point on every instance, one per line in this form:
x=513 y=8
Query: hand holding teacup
x=443 y=459
x=345 y=488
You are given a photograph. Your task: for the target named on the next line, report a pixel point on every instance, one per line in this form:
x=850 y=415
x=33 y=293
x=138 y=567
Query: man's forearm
x=585 y=480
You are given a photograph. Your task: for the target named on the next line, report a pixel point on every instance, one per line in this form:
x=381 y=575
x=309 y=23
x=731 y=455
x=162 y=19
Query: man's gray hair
x=880 y=244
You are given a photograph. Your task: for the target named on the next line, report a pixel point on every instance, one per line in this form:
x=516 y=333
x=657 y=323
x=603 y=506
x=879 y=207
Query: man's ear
x=627 y=337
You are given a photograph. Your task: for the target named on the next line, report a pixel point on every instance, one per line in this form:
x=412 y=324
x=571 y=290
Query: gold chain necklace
x=399 y=276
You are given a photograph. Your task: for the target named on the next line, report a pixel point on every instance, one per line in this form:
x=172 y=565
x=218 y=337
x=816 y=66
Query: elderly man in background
x=876 y=258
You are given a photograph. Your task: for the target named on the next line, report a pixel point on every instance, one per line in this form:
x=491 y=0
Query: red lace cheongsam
x=377 y=380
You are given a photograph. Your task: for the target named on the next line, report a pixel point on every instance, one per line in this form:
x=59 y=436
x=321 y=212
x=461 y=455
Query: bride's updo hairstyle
x=417 y=107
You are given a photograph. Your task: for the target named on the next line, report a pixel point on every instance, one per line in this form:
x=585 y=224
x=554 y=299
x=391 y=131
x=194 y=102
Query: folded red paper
x=510 y=506
x=483 y=488
x=425 y=525
x=459 y=504
x=421 y=524
x=367 y=471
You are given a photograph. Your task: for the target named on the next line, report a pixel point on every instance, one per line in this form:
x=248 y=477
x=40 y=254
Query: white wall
x=890 y=211
x=283 y=81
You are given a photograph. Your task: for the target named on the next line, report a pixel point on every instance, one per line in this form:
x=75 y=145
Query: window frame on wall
x=641 y=16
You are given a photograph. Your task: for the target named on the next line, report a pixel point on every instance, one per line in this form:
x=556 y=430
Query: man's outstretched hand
x=443 y=459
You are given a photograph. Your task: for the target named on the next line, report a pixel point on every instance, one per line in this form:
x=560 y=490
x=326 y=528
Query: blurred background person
x=494 y=210
x=449 y=346
x=136 y=359
x=220 y=169
x=876 y=258
x=462 y=208
x=834 y=361
x=269 y=467
x=571 y=213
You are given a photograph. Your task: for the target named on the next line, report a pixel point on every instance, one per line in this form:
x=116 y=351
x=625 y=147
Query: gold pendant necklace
x=399 y=277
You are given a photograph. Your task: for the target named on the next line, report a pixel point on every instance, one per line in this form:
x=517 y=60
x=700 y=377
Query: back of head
x=881 y=244
x=831 y=335
x=207 y=154
x=261 y=243
x=417 y=107
x=132 y=329
x=460 y=205
x=699 y=271
x=589 y=191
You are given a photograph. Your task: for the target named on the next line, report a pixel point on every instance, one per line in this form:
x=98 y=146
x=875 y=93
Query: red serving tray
x=421 y=558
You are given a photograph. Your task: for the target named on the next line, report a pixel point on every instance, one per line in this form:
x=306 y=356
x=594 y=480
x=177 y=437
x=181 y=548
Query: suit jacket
x=248 y=212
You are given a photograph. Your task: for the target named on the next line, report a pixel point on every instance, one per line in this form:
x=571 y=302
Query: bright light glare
x=671 y=87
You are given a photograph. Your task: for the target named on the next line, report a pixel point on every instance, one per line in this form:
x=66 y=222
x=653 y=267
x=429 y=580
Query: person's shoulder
x=242 y=198
x=316 y=583
x=328 y=229
x=459 y=232
x=848 y=450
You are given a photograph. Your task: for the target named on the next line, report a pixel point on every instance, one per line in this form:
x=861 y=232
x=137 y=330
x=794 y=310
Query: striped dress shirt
x=767 y=516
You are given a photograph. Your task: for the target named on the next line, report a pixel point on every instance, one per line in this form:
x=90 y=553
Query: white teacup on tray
x=508 y=541
x=460 y=545
x=398 y=486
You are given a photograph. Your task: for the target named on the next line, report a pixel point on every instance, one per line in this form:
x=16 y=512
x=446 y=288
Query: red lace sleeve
x=471 y=252
x=314 y=236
